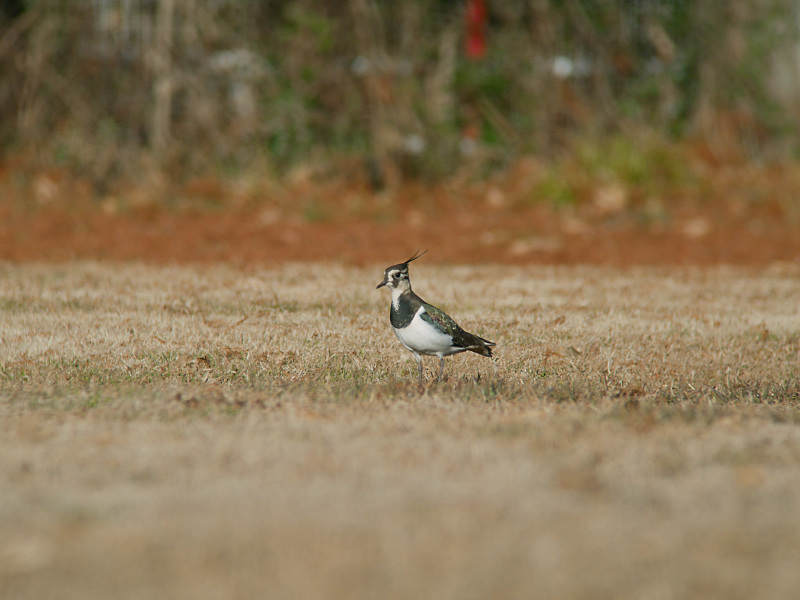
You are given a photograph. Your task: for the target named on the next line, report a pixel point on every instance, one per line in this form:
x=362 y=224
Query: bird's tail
x=481 y=346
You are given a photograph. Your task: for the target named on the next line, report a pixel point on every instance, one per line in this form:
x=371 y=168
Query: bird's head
x=396 y=276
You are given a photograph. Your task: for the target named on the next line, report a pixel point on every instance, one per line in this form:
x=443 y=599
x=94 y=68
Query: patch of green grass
x=645 y=162
x=315 y=211
x=646 y=169
x=290 y=306
x=556 y=188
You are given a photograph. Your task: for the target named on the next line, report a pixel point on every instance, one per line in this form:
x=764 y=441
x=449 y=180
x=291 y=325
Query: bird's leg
x=441 y=367
x=419 y=366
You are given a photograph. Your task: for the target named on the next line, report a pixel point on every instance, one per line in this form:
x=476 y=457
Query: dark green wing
x=461 y=339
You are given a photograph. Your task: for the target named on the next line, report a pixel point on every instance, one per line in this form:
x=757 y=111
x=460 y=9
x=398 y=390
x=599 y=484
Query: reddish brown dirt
x=349 y=224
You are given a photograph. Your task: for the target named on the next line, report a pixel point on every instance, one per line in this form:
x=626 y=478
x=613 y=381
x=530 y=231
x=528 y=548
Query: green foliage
x=81 y=93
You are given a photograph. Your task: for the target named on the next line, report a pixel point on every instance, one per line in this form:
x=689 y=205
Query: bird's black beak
x=381 y=284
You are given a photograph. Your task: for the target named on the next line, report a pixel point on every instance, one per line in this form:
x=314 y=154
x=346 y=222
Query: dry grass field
x=217 y=432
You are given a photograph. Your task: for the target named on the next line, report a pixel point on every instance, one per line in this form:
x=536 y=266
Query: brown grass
x=223 y=433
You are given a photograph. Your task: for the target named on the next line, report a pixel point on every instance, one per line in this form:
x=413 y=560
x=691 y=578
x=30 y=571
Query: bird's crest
x=417 y=255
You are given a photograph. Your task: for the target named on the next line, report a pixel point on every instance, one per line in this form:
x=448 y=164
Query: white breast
x=421 y=337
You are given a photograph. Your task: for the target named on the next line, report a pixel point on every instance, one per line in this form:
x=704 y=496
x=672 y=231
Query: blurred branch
x=162 y=71
x=376 y=87
x=16 y=30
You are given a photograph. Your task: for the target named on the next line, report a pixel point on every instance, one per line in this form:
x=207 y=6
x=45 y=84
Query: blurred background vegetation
x=387 y=91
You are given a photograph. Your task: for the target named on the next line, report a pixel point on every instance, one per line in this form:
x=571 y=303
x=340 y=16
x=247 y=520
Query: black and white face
x=395 y=277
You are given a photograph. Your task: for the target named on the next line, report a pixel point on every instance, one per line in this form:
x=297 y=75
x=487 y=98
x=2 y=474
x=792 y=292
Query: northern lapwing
x=423 y=328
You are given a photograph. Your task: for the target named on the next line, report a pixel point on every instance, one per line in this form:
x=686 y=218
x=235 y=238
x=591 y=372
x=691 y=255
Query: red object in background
x=476 y=37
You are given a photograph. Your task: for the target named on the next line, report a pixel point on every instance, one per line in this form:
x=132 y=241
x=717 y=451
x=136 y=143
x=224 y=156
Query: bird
x=421 y=327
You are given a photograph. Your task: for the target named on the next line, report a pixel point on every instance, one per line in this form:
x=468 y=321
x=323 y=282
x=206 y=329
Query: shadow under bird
x=423 y=328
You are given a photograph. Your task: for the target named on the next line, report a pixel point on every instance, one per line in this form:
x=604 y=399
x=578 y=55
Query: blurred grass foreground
x=116 y=90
